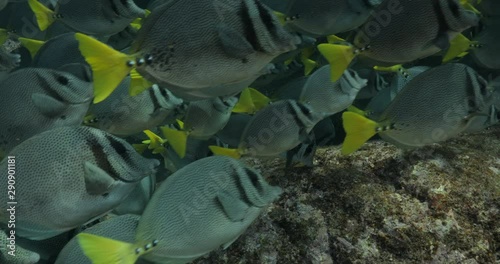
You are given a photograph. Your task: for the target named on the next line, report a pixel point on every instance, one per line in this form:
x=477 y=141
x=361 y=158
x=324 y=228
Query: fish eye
x=62 y=80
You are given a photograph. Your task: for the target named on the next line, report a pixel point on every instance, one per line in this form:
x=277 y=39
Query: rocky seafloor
x=438 y=204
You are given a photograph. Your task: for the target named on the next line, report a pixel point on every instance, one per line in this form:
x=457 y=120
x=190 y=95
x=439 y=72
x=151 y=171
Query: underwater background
x=249 y=131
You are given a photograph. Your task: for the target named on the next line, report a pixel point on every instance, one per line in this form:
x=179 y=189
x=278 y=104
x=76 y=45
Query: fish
x=385 y=38
x=17 y=255
x=429 y=109
x=38 y=100
x=196 y=49
x=203 y=119
x=326 y=17
x=96 y=17
x=67 y=176
x=199 y=208
x=275 y=129
x=123 y=115
x=326 y=97
x=121 y=227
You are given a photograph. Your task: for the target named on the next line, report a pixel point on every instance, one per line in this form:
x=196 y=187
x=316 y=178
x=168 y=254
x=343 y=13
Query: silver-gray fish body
x=124 y=115
x=68 y=176
x=435 y=106
x=328 y=17
x=221 y=46
x=326 y=97
x=205 y=118
x=277 y=128
x=202 y=206
x=36 y=100
x=406 y=30
x=98 y=17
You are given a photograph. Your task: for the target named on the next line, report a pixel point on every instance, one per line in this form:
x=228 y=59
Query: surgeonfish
x=199 y=208
x=94 y=17
x=37 y=100
x=277 y=128
x=196 y=49
x=436 y=105
x=124 y=115
x=67 y=176
x=203 y=119
x=326 y=97
x=385 y=38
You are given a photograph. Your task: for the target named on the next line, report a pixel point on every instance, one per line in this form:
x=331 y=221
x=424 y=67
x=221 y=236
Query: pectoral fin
x=47 y=105
x=97 y=181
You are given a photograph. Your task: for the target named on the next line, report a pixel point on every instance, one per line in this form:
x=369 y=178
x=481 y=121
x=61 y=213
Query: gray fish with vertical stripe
x=85 y=173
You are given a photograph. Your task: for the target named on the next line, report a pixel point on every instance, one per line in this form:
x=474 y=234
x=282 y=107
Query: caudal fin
x=44 y=16
x=338 y=56
x=233 y=153
x=101 y=250
x=358 y=129
x=251 y=101
x=177 y=139
x=109 y=67
x=32 y=45
x=459 y=47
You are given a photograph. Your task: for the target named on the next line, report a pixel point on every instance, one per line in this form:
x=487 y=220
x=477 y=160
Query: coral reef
x=438 y=204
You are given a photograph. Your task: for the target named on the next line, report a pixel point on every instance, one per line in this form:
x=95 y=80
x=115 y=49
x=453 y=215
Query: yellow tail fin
x=103 y=250
x=309 y=64
x=140 y=148
x=281 y=17
x=4 y=35
x=32 y=45
x=356 y=110
x=176 y=139
x=109 y=66
x=339 y=57
x=459 y=47
x=251 y=101
x=233 y=153
x=44 y=16
x=138 y=84
x=394 y=68
x=155 y=142
x=358 y=129
x=333 y=39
